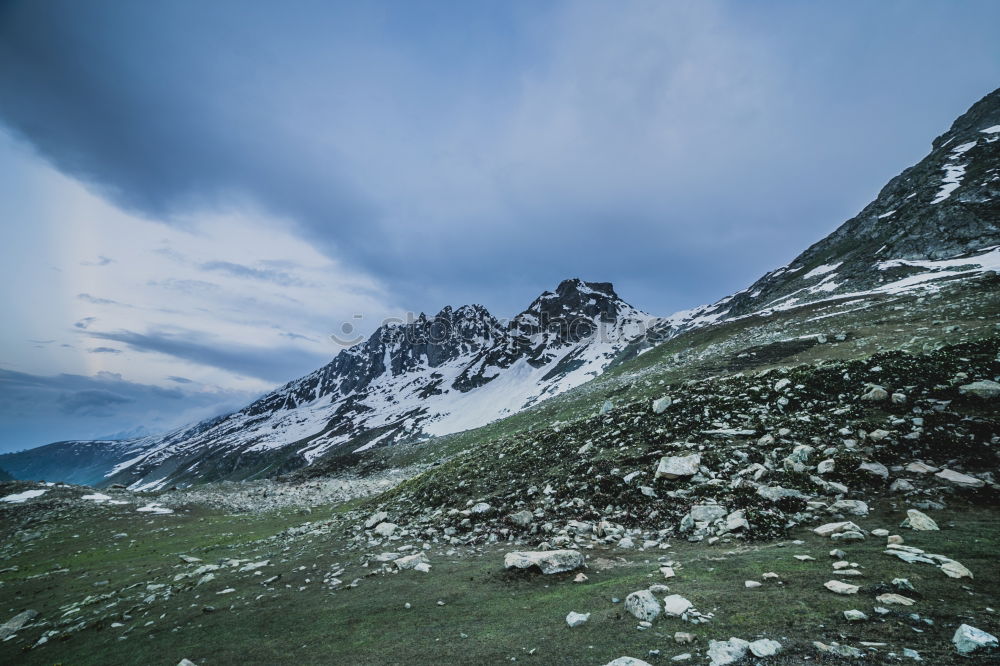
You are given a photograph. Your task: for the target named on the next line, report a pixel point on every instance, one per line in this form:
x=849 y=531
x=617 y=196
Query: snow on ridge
x=952 y=179
x=991 y=130
x=822 y=270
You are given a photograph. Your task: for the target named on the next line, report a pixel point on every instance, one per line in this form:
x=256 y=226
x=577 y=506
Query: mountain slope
x=432 y=376
x=936 y=223
x=940 y=215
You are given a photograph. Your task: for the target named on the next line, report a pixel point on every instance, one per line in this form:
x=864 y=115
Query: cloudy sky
x=194 y=196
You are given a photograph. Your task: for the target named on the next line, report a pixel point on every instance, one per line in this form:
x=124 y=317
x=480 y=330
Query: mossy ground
x=503 y=615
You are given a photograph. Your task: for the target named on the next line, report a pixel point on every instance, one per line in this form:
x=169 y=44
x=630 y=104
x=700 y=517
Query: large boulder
x=985 y=389
x=968 y=639
x=676 y=467
x=723 y=653
x=643 y=605
x=14 y=624
x=548 y=561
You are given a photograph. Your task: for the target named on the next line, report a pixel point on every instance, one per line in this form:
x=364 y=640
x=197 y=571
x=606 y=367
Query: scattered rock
x=723 y=653
x=660 y=405
x=643 y=605
x=968 y=639
x=839 y=650
x=852 y=507
x=959 y=479
x=676 y=605
x=889 y=599
x=854 y=616
x=875 y=469
x=984 y=389
x=549 y=561
x=14 y=624
x=837 y=587
x=576 y=619
x=628 y=661
x=919 y=521
x=676 y=467
x=764 y=647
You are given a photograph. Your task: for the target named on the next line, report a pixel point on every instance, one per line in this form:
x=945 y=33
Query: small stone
x=385 y=529
x=660 y=405
x=751 y=584
x=837 y=587
x=764 y=647
x=683 y=637
x=894 y=539
x=627 y=661
x=854 y=616
x=876 y=394
x=880 y=532
x=968 y=639
x=643 y=605
x=548 y=561
x=919 y=521
x=839 y=650
x=185 y=662
x=675 y=467
x=375 y=519
x=521 y=518
x=958 y=479
x=829 y=529
x=984 y=389
x=574 y=619
x=889 y=599
x=852 y=507
x=581 y=578
x=676 y=605
x=723 y=653
x=875 y=469
x=954 y=569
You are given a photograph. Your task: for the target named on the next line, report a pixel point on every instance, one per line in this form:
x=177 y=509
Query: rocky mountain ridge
x=458 y=369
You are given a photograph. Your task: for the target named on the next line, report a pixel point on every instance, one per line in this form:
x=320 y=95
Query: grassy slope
x=503 y=615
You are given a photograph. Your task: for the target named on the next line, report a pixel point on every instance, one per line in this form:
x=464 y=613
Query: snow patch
x=17 y=498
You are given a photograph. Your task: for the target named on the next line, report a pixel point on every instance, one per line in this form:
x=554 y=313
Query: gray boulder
x=548 y=561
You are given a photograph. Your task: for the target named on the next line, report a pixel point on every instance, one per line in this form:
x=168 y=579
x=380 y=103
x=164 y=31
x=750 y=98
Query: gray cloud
x=180 y=380
x=278 y=277
x=85 y=322
x=100 y=301
x=91 y=402
x=38 y=409
x=104 y=350
x=679 y=149
x=270 y=364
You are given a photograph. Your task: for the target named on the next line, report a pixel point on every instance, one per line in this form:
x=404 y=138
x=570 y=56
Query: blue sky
x=193 y=195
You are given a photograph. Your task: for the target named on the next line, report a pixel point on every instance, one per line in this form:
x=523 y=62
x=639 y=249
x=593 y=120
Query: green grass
x=504 y=615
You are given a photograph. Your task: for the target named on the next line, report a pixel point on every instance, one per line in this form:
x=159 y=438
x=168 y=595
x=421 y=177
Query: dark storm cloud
x=272 y=364
x=483 y=151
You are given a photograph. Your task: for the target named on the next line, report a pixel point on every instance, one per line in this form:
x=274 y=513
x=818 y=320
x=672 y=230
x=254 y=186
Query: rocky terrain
x=803 y=472
x=857 y=499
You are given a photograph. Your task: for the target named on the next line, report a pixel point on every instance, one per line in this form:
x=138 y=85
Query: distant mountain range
x=462 y=368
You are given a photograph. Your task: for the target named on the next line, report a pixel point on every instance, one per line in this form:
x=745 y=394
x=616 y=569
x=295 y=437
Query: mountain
x=938 y=218
x=935 y=225
x=458 y=369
